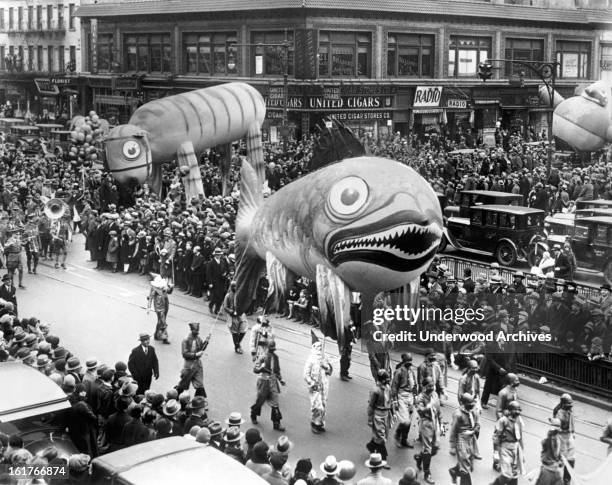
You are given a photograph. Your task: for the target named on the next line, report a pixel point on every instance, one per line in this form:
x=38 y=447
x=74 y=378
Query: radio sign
x=427 y=96
x=456 y=103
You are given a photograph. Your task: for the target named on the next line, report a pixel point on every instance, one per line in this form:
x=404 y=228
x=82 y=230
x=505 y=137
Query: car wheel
x=443 y=244
x=535 y=255
x=607 y=272
x=505 y=254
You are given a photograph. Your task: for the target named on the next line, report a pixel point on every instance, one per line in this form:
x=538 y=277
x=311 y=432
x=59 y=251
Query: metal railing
x=574 y=370
x=457 y=265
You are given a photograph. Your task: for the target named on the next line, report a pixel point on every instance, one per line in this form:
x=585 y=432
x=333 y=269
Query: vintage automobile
x=176 y=459
x=469 y=198
x=7 y=123
x=590 y=237
x=594 y=204
x=38 y=411
x=60 y=141
x=47 y=128
x=506 y=232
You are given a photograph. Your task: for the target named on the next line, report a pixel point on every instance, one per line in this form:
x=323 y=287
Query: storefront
x=427 y=115
x=458 y=116
x=115 y=98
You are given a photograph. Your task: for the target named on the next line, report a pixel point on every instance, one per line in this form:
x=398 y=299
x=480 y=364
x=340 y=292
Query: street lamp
x=547 y=72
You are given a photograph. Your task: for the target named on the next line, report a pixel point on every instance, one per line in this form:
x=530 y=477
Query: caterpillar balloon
x=181 y=126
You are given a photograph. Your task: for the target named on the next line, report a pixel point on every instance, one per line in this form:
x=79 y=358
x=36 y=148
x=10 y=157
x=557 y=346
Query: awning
x=486 y=101
x=427 y=111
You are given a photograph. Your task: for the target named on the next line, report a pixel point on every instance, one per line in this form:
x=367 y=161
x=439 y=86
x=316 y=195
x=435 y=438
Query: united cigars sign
x=427 y=96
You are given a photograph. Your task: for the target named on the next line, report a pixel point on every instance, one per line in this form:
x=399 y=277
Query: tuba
x=55 y=209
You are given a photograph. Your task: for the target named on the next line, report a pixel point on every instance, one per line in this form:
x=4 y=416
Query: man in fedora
x=143 y=363
x=216 y=435
x=232 y=439
x=193 y=348
x=7 y=291
x=376 y=464
x=268 y=386
x=216 y=277
x=198 y=416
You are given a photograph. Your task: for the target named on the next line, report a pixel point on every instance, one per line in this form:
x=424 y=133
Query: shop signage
x=94 y=46
x=350 y=102
x=46 y=87
x=456 y=103
x=126 y=83
x=293 y=102
x=360 y=115
x=331 y=92
x=427 y=96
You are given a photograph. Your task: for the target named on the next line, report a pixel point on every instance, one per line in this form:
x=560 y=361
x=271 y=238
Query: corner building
x=377 y=66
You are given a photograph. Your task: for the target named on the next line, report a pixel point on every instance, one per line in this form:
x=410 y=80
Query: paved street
x=101 y=314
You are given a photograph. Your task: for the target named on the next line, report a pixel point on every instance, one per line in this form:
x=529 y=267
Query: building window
x=60 y=59
x=2 y=21
x=209 y=53
x=345 y=54
x=2 y=60
x=105 y=52
x=573 y=59
x=11 y=24
x=465 y=53
x=50 y=58
x=523 y=50
x=72 y=54
x=270 y=60
x=30 y=58
x=71 y=15
x=410 y=55
x=49 y=16
x=60 y=16
x=148 y=53
x=39 y=17
x=39 y=58
x=30 y=17
x=19 y=18
x=606 y=58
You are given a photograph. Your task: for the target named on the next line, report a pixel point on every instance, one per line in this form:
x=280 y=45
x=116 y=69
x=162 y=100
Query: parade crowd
x=189 y=245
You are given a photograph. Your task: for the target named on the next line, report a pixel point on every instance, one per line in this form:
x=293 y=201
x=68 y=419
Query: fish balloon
x=363 y=224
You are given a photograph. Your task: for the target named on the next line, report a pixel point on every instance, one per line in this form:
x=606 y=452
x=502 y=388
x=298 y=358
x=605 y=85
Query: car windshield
x=53 y=420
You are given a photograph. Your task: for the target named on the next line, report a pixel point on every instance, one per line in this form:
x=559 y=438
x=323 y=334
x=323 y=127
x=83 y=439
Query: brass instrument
x=55 y=209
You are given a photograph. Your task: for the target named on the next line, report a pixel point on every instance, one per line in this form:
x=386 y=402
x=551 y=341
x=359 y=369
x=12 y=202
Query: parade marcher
x=564 y=412
x=431 y=368
x=403 y=390
x=269 y=380
x=261 y=334
x=216 y=274
x=160 y=289
x=317 y=370
x=469 y=383
x=427 y=406
x=508 y=394
x=380 y=413
x=193 y=348
x=508 y=438
x=550 y=457
x=13 y=255
x=32 y=244
x=238 y=323
x=606 y=435
x=464 y=428
x=345 y=354
x=143 y=363
x=60 y=236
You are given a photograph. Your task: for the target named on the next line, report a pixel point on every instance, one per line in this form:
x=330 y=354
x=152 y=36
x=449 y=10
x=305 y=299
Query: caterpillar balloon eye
x=131 y=149
x=347 y=196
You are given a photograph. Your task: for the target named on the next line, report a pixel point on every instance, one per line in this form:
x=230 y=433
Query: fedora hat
x=73 y=364
x=215 y=428
x=606 y=286
x=144 y=336
x=375 y=461
x=235 y=419
x=129 y=389
x=283 y=445
x=59 y=353
x=6 y=277
x=233 y=434
x=217 y=252
x=42 y=361
x=171 y=407
x=330 y=466
x=91 y=364
x=199 y=402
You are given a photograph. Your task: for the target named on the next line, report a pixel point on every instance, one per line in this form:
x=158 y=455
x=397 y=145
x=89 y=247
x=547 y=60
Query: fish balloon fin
x=280 y=279
x=249 y=266
x=335 y=144
x=256 y=155
x=334 y=300
x=154 y=179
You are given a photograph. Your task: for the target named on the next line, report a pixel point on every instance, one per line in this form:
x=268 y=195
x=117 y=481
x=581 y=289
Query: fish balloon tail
x=249 y=266
x=280 y=279
x=335 y=144
x=334 y=300
x=256 y=154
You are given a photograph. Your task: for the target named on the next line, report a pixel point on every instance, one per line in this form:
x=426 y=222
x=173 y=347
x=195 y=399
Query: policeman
x=428 y=408
x=403 y=390
x=464 y=428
